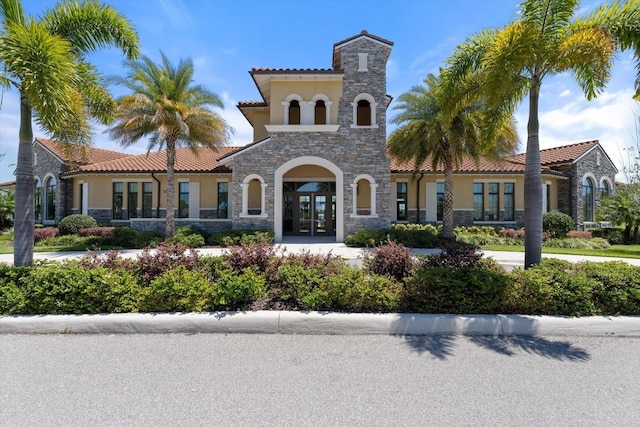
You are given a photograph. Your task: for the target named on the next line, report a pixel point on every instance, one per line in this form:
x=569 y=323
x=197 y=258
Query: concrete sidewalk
x=507 y=259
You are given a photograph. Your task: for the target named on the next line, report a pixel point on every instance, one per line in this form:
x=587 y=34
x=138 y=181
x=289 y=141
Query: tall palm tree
x=511 y=62
x=423 y=133
x=44 y=59
x=165 y=106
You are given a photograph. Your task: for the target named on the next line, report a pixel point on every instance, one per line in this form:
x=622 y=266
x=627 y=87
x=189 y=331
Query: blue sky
x=226 y=38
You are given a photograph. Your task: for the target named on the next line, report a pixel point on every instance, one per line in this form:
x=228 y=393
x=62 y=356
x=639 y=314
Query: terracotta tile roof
x=77 y=155
x=468 y=165
x=557 y=155
x=187 y=161
x=7 y=184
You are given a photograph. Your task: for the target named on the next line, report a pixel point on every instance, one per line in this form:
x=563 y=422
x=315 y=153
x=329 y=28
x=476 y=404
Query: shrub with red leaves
x=96 y=231
x=167 y=256
x=392 y=260
x=45 y=233
x=512 y=233
x=262 y=257
x=579 y=234
x=455 y=255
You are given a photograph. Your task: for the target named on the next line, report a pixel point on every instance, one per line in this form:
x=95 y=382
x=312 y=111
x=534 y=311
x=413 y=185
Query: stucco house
x=317 y=166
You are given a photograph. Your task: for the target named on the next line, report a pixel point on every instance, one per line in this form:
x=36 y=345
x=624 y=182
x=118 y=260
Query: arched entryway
x=309 y=199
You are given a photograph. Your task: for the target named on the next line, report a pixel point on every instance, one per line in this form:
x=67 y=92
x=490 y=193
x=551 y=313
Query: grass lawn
x=615 y=251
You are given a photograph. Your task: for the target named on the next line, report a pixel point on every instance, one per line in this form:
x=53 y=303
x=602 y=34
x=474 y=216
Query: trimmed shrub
x=300 y=288
x=188 y=237
x=167 y=256
x=367 y=237
x=354 y=290
x=232 y=290
x=511 y=233
x=241 y=237
x=392 y=260
x=178 y=289
x=71 y=224
x=460 y=290
x=555 y=288
x=40 y=234
x=595 y=243
x=557 y=224
x=69 y=288
x=416 y=235
x=262 y=257
x=123 y=237
x=619 y=290
x=579 y=234
x=454 y=255
x=96 y=231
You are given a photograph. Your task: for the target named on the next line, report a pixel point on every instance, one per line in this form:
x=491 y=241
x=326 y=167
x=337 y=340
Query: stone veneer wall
x=354 y=150
x=47 y=163
x=589 y=164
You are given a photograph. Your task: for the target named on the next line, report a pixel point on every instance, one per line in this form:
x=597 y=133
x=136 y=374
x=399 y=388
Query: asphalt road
x=320 y=380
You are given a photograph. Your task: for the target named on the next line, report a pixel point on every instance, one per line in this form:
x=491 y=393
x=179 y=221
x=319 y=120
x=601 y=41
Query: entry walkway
x=509 y=260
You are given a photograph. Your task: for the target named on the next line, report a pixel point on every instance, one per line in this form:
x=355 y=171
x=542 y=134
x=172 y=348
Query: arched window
x=253 y=196
x=364 y=196
x=37 y=200
x=587 y=200
x=50 y=195
x=363 y=113
x=320 y=113
x=294 y=112
x=605 y=189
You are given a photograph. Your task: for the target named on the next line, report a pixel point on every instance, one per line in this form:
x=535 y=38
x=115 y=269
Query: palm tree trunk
x=447 y=203
x=24 y=215
x=533 y=183
x=170 y=228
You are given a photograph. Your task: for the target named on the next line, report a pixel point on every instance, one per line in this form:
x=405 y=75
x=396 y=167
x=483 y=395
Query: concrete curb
x=291 y=322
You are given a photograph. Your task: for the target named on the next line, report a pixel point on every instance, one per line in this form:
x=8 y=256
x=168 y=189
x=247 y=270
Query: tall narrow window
x=183 y=204
x=440 y=200
x=50 y=193
x=132 y=200
x=509 y=201
x=587 y=199
x=223 y=200
x=320 y=112
x=81 y=194
x=118 y=198
x=605 y=191
x=147 y=199
x=37 y=200
x=401 y=201
x=294 y=112
x=363 y=113
x=494 y=202
x=478 y=201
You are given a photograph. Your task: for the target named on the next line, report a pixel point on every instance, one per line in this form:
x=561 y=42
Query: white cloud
x=564 y=93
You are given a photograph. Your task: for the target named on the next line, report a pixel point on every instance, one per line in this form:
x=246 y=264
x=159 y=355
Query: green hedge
x=172 y=278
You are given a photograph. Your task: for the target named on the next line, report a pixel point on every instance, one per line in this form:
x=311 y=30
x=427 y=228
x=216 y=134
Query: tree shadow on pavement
x=439 y=346
x=511 y=345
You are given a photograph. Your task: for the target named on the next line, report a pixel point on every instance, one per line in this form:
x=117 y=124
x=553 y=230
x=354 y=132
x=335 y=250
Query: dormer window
x=320 y=113
x=294 y=112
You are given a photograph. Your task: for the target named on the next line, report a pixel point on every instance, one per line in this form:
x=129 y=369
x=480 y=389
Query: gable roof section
x=79 y=155
x=560 y=155
x=226 y=158
x=337 y=57
x=187 y=161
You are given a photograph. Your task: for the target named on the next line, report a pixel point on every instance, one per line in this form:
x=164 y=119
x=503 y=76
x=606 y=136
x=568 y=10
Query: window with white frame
x=37 y=200
x=50 y=194
x=364 y=195
x=253 y=196
x=402 y=199
x=588 y=199
x=364 y=111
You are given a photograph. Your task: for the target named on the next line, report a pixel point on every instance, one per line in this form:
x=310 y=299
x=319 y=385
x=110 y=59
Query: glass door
x=320 y=215
x=304 y=214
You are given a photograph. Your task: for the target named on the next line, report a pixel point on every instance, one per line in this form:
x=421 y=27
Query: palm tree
x=44 y=59
x=507 y=64
x=423 y=134
x=167 y=107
